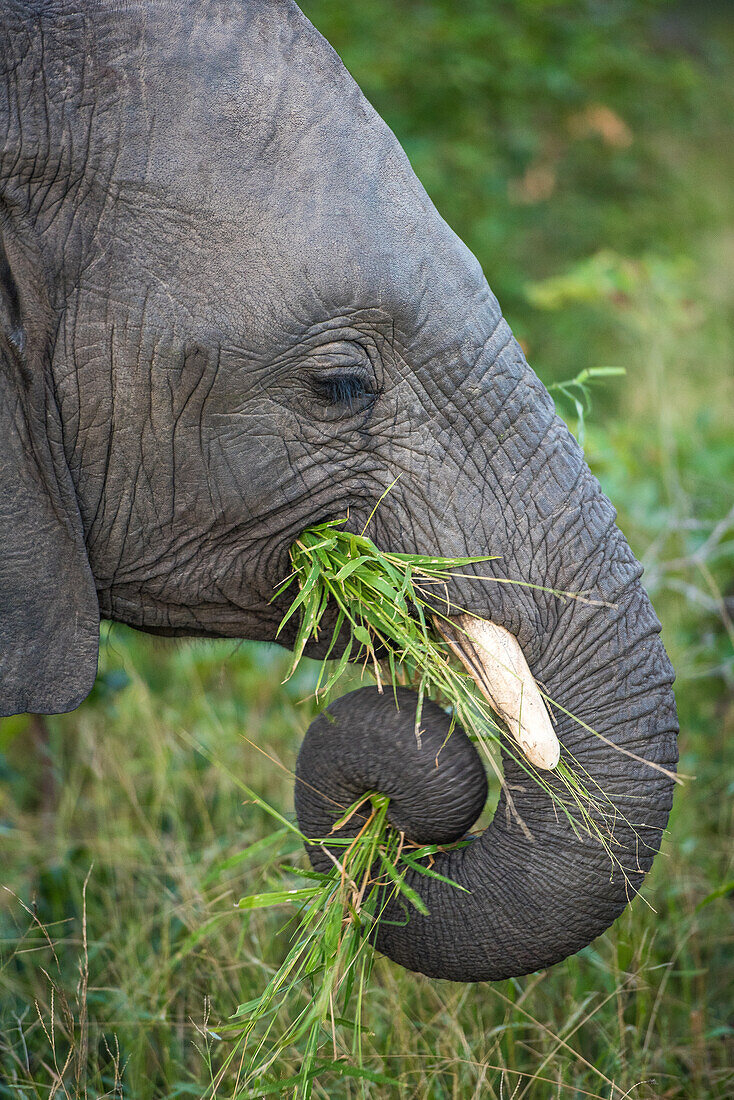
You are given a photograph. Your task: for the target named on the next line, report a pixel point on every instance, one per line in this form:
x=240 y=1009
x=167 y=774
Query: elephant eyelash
x=350 y=391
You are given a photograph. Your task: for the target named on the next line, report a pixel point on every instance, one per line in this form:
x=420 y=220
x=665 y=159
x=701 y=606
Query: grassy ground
x=122 y=826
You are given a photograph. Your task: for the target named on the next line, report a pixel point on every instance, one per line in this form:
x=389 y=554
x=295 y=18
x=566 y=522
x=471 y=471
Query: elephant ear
x=49 y=613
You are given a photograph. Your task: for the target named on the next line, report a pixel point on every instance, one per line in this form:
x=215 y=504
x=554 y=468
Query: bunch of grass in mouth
x=385 y=607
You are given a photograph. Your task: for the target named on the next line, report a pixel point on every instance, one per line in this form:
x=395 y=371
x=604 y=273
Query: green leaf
x=407 y=891
x=247 y=855
x=351 y=567
x=343 y=661
x=303 y=872
x=279 y=897
x=722 y=891
x=302 y=595
x=421 y=869
x=419 y=561
x=341 y=1021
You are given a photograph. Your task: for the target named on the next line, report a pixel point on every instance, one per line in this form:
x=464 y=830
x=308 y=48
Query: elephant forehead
x=222 y=112
x=266 y=174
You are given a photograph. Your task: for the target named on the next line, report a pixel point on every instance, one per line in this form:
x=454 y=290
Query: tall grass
x=172 y=847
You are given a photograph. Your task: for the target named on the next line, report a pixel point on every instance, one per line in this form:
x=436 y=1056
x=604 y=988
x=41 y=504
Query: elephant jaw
x=493 y=658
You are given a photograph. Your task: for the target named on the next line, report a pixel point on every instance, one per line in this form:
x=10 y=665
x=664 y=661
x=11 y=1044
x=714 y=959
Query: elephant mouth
x=494 y=659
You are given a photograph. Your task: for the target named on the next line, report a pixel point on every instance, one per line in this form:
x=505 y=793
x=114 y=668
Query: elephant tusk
x=496 y=662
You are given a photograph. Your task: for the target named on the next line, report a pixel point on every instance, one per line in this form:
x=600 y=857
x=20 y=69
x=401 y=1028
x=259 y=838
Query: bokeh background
x=584 y=150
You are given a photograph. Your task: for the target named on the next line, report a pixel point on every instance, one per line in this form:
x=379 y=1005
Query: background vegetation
x=584 y=151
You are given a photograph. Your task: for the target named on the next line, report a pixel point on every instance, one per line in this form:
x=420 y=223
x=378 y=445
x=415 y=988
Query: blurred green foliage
x=535 y=125
x=583 y=150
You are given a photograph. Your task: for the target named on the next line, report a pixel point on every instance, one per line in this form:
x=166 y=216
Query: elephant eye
x=349 y=391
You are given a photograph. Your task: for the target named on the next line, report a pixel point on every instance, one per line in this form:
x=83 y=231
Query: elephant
x=229 y=311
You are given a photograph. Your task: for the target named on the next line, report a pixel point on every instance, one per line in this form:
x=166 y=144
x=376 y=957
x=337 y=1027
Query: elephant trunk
x=538 y=885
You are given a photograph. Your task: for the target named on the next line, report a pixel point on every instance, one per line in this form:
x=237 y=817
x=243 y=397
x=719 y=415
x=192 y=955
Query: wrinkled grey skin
x=229 y=310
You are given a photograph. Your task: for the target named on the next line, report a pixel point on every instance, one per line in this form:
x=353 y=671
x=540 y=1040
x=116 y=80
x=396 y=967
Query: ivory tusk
x=495 y=660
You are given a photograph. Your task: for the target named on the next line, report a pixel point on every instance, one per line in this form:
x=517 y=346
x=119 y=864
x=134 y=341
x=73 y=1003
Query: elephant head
x=228 y=311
